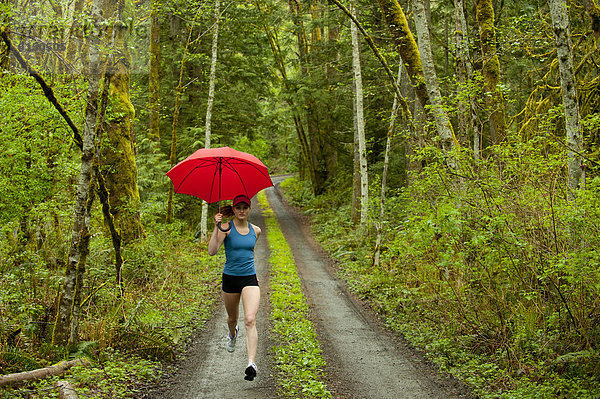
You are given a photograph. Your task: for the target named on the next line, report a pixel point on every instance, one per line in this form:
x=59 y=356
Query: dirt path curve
x=363 y=361
x=208 y=370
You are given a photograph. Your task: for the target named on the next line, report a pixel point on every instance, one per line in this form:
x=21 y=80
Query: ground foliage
x=170 y=285
x=489 y=269
x=299 y=361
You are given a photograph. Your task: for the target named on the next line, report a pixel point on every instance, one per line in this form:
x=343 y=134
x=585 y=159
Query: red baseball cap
x=241 y=198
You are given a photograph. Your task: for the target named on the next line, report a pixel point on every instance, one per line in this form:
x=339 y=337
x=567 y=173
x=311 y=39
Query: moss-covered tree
x=484 y=11
x=406 y=46
x=153 y=76
x=118 y=141
x=562 y=36
x=67 y=316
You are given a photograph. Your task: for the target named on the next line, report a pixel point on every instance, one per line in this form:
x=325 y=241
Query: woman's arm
x=257 y=230
x=217 y=237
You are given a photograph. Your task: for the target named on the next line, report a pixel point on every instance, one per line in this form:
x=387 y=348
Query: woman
x=239 y=274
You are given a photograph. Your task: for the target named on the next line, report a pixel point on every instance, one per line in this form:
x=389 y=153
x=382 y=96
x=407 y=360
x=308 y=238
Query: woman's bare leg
x=232 y=305
x=251 y=300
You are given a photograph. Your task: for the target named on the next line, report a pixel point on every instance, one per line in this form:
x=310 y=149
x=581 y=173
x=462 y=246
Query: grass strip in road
x=298 y=358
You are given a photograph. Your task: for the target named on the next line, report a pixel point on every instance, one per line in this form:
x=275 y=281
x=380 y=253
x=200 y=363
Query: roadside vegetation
x=127 y=332
x=298 y=359
x=495 y=278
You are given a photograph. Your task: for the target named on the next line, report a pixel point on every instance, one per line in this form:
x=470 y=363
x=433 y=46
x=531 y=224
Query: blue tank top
x=239 y=252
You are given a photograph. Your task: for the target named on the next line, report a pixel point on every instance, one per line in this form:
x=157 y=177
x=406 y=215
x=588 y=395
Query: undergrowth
x=495 y=275
x=169 y=288
x=298 y=358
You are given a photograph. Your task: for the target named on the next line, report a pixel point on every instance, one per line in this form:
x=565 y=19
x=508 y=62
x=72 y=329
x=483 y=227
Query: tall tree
x=562 y=36
x=153 y=76
x=361 y=177
x=65 y=326
x=442 y=122
x=484 y=11
x=331 y=56
x=315 y=161
x=118 y=141
x=464 y=71
x=384 y=173
x=4 y=25
x=209 y=107
x=406 y=46
x=281 y=63
x=176 y=111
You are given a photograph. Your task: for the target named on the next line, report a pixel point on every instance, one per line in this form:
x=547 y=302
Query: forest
x=446 y=152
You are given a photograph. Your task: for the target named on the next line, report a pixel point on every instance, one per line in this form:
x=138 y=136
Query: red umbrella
x=215 y=174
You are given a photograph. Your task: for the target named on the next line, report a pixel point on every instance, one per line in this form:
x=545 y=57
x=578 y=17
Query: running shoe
x=231 y=341
x=250 y=372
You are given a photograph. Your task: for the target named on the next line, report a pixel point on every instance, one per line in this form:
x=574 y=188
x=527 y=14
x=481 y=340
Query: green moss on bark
x=407 y=46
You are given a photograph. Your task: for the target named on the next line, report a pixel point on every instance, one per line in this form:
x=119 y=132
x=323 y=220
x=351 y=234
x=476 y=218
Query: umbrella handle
x=222 y=229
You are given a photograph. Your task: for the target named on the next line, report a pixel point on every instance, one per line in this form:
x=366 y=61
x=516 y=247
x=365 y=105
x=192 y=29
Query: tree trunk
x=316 y=165
x=66 y=390
x=464 y=72
x=355 y=214
x=117 y=146
x=4 y=50
x=406 y=46
x=73 y=280
x=332 y=56
x=442 y=122
x=560 y=23
x=175 y=122
x=386 y=162
x=355 y=162
x=491 y=72
x=153 y=77
x=209 y=106
x=361 y=149
x=34 y=375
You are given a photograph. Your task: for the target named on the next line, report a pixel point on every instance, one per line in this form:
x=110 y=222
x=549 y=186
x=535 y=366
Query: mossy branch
x=48 y=92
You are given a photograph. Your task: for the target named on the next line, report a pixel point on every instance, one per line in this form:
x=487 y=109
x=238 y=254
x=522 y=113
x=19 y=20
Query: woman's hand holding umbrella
x=219 y=220
x=226 y=211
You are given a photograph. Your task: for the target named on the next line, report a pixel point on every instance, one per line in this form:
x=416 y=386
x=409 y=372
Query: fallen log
x=66 y=390
x=38 y=374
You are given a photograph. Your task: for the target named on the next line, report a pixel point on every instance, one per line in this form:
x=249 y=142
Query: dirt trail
x=363 y=360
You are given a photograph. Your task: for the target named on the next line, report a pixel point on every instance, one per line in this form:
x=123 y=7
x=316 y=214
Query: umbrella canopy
x=215 y=174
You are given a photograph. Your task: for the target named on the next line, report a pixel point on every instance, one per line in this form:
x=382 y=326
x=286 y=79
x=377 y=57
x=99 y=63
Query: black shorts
x=235 y=284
